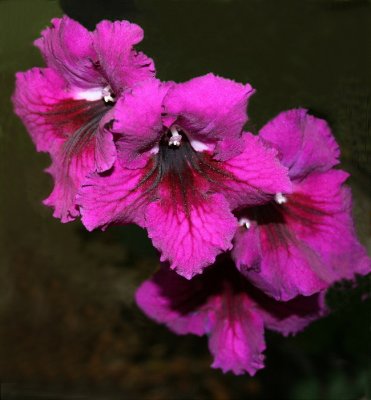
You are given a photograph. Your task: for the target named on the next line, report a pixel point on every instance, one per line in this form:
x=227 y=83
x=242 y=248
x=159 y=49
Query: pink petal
x=37 y=92
x=220 y=303
x=237 y=339
x=114 y=197
x=305 y=143
x=210 y=109
x=72 y=131
x=114 y=43
x=256 y=174
x=207 y=304
x=191 y=239
x=67 y=180
x=52 y=117
x=69 y=171
x=68 y=48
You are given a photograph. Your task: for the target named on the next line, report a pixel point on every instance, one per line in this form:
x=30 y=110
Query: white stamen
x=107 y=95
x=280 y=198
x=175 y=138
x=244 y=222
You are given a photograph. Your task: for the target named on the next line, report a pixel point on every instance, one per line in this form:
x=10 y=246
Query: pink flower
x=223 y=305
x=182 y=165
x=67 y=107
x=301 y=243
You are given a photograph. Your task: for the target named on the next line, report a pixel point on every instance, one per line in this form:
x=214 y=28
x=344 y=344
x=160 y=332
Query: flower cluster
x=252 y=229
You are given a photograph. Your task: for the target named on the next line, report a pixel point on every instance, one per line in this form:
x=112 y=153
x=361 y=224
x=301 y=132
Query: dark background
x=69 y=328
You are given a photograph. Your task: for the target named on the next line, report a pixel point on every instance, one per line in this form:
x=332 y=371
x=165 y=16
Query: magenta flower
x=182 y=165
x=67 y=106
x=301 y=243
x=222 y=304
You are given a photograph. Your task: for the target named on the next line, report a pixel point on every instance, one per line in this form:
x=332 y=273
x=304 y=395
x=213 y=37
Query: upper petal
x=191 y=238
x=68 y=48
x=114 y=44
x=305 y=143
x=254 y=175
x=210 y=109
x=137 y=122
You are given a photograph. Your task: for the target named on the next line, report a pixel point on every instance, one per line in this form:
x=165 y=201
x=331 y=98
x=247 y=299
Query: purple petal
x=256 y=174
x=114 y=44
x=137 y=122
x=211 y=110
x=191 y=239
x=68 y=48
x=305 y=143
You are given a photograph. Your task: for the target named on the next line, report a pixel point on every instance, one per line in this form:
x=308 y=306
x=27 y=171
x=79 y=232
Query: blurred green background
x=69 y=328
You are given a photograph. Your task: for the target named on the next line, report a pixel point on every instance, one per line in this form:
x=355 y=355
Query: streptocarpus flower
x=301 y=243
x=222 y=304
x=182 y=165
x=67 y=106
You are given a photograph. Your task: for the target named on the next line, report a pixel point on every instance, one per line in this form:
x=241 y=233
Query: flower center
x=184 y=174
